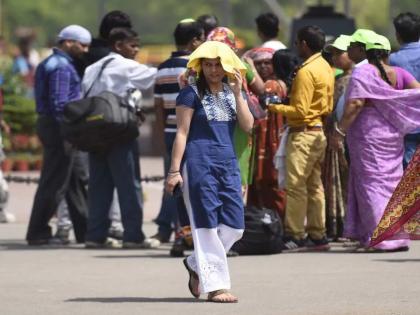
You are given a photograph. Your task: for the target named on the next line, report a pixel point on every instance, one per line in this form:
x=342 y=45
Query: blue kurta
x=214 y=180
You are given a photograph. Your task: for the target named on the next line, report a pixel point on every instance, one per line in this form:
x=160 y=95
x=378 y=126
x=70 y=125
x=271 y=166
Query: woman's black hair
x=285 y=63
x=202 y=85
x=375 y=56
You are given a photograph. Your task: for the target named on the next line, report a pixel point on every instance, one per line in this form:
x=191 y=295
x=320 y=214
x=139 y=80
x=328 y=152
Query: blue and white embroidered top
x=213 y=123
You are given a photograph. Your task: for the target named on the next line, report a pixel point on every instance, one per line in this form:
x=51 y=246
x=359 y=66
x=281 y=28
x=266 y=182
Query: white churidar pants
x=209 y=259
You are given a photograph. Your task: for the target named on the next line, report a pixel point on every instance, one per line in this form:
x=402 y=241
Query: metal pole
x=1 y=18
x=227 y=12
x=101 y=11
x=283 y=18
x=347 y=8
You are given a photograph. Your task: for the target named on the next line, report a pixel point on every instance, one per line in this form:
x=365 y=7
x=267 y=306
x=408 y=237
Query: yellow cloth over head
x=213 y=49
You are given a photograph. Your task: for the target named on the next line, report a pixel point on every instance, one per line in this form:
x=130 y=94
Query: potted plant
x=22 y=161
x=36 y=164
x=7 y=165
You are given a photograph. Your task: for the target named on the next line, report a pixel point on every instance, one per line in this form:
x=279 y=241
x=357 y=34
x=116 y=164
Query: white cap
x=75 y=32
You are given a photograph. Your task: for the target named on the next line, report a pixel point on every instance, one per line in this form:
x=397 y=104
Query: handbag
x=98 y=123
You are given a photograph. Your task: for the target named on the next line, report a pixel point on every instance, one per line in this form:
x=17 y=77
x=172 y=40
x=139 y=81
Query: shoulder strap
x=98 y=76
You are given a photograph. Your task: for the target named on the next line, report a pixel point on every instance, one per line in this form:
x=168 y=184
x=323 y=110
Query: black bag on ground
x=97 y=123
x=263 y=233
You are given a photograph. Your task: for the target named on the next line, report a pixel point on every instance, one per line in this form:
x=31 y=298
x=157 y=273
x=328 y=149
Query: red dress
x=264 y=191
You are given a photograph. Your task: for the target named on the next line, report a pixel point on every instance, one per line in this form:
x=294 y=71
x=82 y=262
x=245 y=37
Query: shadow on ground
x=135 y=300
x=20 y=245
x=402 y=260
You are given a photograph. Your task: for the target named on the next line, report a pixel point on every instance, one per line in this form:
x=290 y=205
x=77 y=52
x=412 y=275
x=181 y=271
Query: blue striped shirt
x=56 y=84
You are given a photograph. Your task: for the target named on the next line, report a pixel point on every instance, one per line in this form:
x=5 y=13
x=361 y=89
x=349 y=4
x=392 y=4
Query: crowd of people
x=320 y=134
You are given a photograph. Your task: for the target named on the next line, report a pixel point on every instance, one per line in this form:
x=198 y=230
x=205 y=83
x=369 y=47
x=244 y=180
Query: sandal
x=193 y=276
x=212 y=297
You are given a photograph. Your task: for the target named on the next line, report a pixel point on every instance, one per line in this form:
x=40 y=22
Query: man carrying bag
x=97 y=123
x=117 y=167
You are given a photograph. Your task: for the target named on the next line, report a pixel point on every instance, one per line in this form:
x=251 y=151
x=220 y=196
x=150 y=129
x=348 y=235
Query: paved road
x=73 y=280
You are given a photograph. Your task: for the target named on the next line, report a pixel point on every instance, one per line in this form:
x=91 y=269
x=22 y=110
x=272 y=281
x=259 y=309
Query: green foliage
x=12 y=84
x=19 y=113
x=155 y=20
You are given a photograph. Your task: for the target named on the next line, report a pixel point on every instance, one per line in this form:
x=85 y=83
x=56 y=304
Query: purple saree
x=375 y=141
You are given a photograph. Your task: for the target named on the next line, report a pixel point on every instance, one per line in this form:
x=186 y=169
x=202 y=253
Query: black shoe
x=63 y=234
x=232 y=253
x=161 y=237
x=38 y=242
x=116 y=233
x=178 y=248
x=53 y=241
x=317 y=244
x=109 y=243
x=291 y=245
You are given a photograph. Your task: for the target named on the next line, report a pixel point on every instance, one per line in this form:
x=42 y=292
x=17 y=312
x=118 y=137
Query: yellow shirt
x=312 y=94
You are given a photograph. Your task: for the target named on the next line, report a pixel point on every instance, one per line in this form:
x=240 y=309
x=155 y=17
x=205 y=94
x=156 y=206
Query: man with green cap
x=357 y=46
x=356 y=51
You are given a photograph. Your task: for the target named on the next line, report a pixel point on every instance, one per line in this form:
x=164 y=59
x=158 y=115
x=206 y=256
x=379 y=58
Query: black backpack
x=97 y=123
x=263 y=233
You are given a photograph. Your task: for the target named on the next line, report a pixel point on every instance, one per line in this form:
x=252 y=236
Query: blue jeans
x=118 y=168
x=411 y=141
x=171 y=206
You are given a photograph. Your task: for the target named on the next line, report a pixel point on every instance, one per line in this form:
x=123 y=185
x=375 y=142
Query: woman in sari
x=378 y=113
x=401 y=219
x=335 y=168
x=264 y=191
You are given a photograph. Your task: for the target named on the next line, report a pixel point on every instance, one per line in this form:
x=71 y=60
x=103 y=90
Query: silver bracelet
x=340 y=132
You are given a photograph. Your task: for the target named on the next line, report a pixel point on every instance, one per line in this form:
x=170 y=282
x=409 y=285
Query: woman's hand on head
x=172 y=180
x=236 y=82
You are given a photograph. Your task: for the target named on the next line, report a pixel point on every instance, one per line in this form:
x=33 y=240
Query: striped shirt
x=167 y=87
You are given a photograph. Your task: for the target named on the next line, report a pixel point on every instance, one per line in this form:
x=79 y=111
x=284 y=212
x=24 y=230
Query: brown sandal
x=212 y=297
x=193 y=276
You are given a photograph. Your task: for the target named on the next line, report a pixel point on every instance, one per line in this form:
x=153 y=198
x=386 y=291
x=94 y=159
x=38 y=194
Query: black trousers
x=63 y=175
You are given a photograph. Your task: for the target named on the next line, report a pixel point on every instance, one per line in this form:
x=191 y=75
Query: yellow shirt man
x=312 y=94
x=311 y=98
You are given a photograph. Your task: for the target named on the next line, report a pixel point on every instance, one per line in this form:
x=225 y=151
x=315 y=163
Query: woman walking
x=205 y=166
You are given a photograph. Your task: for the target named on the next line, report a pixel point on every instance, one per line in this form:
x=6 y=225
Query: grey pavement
x=73 y=280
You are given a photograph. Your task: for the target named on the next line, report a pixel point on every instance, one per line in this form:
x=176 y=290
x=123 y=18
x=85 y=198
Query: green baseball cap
x=380 y=42
x=188 y=20
x=363 y=36
x=341 y=43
